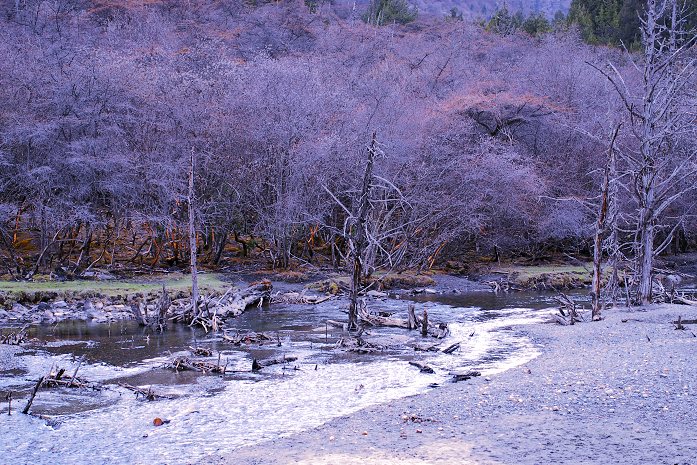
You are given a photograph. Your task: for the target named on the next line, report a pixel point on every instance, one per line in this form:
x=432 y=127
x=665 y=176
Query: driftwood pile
x=157 y=319
x=413 y=321
x=250 y=337
x=202 y=366
x=568 y=314
x=15 y=338
x=213 y=310
x=59 y=379
x=298 y=298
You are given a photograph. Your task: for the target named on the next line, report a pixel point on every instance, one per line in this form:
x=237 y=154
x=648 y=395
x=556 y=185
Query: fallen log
x=148 y=394
x=259 y=364
x=256 y=294
x=438 y=331
x=457 y=377
x=423 y=368
x=452 y=348
x=377 y=320
x=427 y=347
x=33 y=395
x=685 y=301
x=337 y=324
x=298 y=298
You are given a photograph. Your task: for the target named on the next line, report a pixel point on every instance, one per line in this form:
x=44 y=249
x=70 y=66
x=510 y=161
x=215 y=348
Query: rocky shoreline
x=48 y=313
x=619 y=391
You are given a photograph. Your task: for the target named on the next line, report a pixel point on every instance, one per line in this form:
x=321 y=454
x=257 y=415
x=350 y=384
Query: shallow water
x=213 y=414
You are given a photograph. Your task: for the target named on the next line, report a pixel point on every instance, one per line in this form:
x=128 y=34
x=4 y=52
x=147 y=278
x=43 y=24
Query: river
x=212 y=414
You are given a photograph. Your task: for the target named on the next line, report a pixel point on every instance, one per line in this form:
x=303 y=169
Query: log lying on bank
x=452 y=348
x=423 y=368
x=185 y=363
x=15 y=338
x=457 y=377
x=146 y=394
x=236 y=303
x=684 y=300
x=259 y=364
x=248 y=338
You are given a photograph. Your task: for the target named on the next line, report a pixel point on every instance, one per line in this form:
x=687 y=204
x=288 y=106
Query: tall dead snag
x=601 y=228
x=660 y=159
x=192 y=240
x=373 y=228
x=359 y=241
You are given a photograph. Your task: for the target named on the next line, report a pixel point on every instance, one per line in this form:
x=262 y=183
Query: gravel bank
x=621 y=391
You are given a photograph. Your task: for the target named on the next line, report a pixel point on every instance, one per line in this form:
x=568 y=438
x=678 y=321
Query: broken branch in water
x=259 y=364
x=148 y=394
x=423 y=368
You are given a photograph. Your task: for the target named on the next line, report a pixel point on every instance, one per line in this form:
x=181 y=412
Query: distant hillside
x=474 y=9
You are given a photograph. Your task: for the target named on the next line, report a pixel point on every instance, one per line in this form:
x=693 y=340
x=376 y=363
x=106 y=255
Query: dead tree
x=601 y=227
x=661 y=164
x=373 y=227
x=192 y=240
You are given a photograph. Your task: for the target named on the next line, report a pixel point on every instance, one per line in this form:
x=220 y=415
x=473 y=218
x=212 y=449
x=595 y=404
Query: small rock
x=364 y=433
x=19 y=308
x=419 y=431
x=60 y=304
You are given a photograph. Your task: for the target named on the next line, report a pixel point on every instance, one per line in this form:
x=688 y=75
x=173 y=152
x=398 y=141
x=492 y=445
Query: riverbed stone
x=18 y=308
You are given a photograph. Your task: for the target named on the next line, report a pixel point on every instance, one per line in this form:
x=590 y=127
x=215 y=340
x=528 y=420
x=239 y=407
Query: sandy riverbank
x=620 y=391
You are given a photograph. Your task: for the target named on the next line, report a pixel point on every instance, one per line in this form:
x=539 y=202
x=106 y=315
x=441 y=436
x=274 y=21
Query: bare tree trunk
x=360 y=239
x=644 y=288
x=600 y=231
x=192 y=241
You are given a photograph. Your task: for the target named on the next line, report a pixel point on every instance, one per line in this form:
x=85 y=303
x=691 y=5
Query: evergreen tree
x=382 y=12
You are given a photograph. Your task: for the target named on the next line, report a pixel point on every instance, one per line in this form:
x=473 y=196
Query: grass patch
x=548 y=276
x=176 y=283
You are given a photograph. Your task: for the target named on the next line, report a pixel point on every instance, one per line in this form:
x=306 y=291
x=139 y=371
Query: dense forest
x=477 y=142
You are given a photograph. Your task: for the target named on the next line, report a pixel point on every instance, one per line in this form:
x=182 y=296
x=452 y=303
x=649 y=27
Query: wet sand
x=620 y=391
